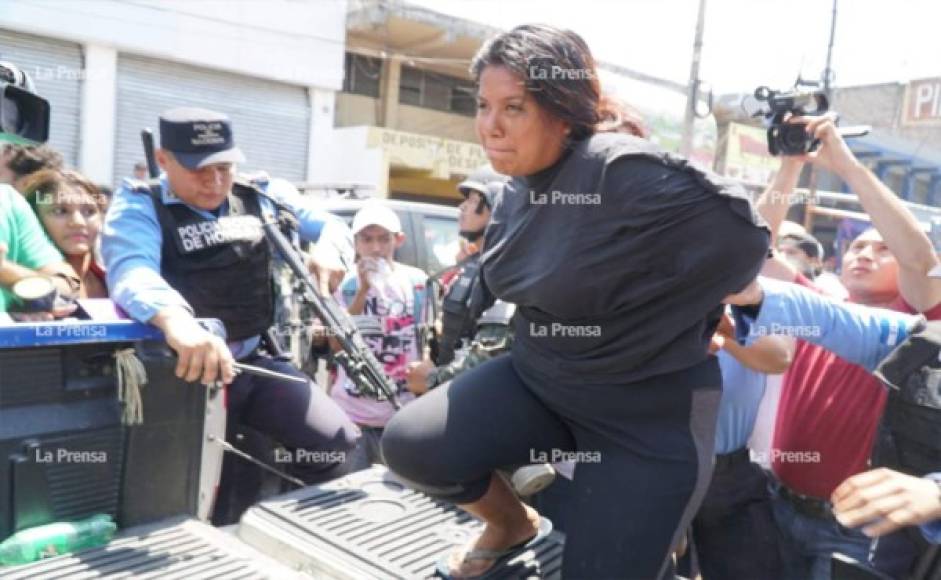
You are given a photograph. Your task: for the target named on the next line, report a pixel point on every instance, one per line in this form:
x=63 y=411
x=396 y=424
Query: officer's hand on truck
x=201 y=355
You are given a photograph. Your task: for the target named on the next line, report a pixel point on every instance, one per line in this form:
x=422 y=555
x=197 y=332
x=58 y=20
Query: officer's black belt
x=727 y=461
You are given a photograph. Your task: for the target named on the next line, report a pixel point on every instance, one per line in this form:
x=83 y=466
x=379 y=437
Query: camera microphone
x=854 y=131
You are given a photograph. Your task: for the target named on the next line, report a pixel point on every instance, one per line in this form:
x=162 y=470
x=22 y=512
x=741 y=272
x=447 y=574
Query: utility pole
x=828 y=72
x=692 y=90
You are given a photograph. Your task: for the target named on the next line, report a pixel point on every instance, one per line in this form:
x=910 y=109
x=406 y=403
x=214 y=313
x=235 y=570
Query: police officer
x=905 y=489
x=466 y=298
x=474 y=326
x=191 y=246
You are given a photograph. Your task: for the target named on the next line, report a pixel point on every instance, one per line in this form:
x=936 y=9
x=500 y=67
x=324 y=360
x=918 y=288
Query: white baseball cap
x=375 y=213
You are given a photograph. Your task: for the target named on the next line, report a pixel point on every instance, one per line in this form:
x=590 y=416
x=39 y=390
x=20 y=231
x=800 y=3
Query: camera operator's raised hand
x=898 y=227
x=833 y=154
x=201 y=355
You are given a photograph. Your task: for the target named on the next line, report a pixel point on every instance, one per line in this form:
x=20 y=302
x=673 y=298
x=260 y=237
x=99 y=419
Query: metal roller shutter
x=270 y=120
x=56 y=68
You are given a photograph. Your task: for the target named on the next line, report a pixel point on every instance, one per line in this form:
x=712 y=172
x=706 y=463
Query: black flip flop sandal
x=499 y=557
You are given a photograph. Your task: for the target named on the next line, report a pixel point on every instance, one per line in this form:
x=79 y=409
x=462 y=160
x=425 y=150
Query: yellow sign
x=441 y=157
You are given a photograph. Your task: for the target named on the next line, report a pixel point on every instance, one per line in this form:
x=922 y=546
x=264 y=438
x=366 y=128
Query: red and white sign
x=923 y=102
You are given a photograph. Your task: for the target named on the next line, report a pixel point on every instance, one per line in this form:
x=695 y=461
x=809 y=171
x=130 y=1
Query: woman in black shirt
x=617 y=256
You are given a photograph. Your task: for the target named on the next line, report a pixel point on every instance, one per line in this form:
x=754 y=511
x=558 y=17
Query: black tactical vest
x=222 y=267
x=910 y=433
x=466 y=299
x=912 y=418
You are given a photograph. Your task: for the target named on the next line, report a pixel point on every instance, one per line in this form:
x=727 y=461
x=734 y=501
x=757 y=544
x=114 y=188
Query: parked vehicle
x=431 y=234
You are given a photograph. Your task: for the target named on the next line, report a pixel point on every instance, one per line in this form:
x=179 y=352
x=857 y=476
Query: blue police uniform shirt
x=131 y=243
x=742 y=390
x=859 y=334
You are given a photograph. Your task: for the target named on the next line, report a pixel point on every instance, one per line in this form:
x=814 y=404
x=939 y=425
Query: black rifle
x=147 y=136
x=357 y=360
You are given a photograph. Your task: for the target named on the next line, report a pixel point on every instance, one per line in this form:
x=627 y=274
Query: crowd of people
x=604 y=343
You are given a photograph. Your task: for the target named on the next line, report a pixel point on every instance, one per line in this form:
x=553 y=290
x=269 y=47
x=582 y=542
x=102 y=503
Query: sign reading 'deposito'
x=923 y=102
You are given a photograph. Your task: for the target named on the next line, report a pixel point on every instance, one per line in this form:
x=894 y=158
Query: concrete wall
x=99 y=98
x=348 y=160
x=437 y=123
x=300 y=43
x=876 y=105
x=356 y=110
x=881 y=107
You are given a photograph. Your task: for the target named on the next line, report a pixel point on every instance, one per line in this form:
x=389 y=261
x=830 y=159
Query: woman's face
x=71 y=218
x=518 y=136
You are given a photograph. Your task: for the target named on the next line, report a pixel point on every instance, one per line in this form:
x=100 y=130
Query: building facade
x=903 y=148
x=405 y=115
x=332 y=94
x=110 y=67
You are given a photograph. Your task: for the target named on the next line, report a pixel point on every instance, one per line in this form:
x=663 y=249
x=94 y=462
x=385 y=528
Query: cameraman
x=830 y=409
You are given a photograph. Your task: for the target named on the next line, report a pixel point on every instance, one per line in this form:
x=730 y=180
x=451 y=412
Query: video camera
x=792 y=138
x=24 y=115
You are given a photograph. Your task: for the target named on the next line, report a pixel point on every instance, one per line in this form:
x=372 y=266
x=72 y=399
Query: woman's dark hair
x=619 y=117
x=24 y=160
x=558 y=70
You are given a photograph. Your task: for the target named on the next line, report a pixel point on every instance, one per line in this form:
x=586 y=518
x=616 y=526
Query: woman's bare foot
x=493 y=538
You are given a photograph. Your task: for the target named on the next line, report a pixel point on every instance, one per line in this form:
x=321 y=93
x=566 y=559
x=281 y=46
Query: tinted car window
x=441 y=242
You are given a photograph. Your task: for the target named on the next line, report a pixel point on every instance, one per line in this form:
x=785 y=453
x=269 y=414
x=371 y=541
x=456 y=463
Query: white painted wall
x=319 y=155
x=96 y=146
x=346 y=159
x=300 y=43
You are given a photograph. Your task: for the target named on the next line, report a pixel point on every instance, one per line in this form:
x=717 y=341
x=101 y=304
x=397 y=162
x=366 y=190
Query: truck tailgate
x=368 y=525
x=181 y=548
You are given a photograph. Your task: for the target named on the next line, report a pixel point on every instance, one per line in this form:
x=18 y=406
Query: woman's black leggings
x=644 y=449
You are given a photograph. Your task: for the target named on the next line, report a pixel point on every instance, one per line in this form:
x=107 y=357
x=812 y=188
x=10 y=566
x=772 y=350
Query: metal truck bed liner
x=177 y=548
x=368 y=525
